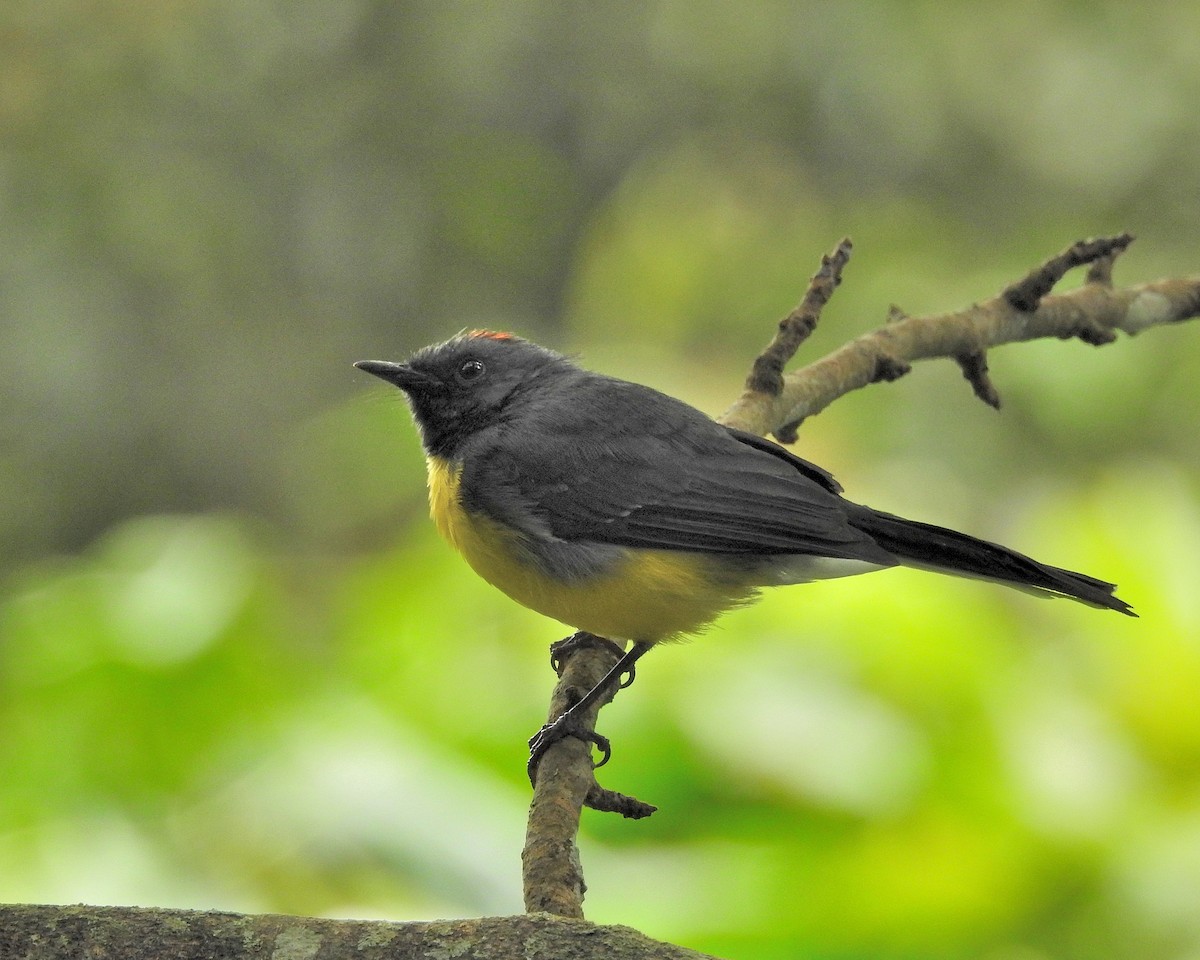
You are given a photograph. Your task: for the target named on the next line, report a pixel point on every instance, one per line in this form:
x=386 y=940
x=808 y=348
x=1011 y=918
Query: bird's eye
x=470 y=370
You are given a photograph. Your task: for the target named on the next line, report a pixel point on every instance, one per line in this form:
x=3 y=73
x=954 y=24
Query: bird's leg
x=567 y=724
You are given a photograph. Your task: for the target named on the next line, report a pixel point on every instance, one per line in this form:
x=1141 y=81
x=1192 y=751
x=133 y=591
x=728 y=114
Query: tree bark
x=138 y=933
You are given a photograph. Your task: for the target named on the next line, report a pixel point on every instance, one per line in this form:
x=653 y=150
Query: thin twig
x=551 y=871
x=766 y=376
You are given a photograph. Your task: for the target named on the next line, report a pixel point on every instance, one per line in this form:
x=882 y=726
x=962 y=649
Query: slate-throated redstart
x=628 y=514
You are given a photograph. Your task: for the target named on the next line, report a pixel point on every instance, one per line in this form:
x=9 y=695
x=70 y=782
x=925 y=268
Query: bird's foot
x=566 y=725
x=570 y=722
x=561 y=650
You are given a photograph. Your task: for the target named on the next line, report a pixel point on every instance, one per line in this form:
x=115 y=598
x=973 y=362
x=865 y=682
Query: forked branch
x=1025 y=310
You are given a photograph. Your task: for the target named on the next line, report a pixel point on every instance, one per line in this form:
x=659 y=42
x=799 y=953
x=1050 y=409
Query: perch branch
x=566 y=782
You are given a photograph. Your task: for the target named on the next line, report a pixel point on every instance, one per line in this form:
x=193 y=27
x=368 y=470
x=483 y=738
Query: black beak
x=397 y=374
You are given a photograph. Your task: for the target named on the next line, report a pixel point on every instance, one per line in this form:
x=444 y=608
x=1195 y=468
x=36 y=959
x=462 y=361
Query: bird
x=631 y=515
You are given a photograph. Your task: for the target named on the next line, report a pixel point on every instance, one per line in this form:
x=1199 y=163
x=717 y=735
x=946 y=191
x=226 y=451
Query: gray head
x=468 y=383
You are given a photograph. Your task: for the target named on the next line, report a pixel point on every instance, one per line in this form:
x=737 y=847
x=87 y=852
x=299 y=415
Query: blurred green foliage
x=238 y=670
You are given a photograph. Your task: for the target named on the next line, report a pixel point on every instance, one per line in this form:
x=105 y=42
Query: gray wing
x=695 y=486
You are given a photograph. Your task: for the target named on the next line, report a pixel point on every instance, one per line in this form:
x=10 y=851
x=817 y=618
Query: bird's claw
x=561 y=650
x=565 y=726
x=570 y=723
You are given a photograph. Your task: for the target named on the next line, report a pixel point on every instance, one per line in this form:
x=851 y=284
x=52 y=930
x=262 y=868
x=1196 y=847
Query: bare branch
x=137 y=933
x=609 y=801
x=1027 y=293
x=767 y=373
x=975 y=371
x=566 y=782
x=1093 y=313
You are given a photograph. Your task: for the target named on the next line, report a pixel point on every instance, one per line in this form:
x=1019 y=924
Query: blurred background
x=238 y=670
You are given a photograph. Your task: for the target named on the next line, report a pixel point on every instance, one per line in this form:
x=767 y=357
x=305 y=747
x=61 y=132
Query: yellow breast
x=647 y=595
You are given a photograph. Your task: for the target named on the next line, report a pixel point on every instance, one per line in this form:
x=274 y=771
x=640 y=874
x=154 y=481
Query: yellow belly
x=649 y=595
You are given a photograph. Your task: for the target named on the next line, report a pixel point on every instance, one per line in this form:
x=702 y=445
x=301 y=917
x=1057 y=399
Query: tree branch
x=136 y=933
x=1023 y=311
x=566 y=782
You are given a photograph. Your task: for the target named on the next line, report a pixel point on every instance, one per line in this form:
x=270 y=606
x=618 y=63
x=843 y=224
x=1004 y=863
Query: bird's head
x=470 y=382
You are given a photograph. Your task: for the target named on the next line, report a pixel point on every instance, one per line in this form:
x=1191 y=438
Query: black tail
x=946 y=551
